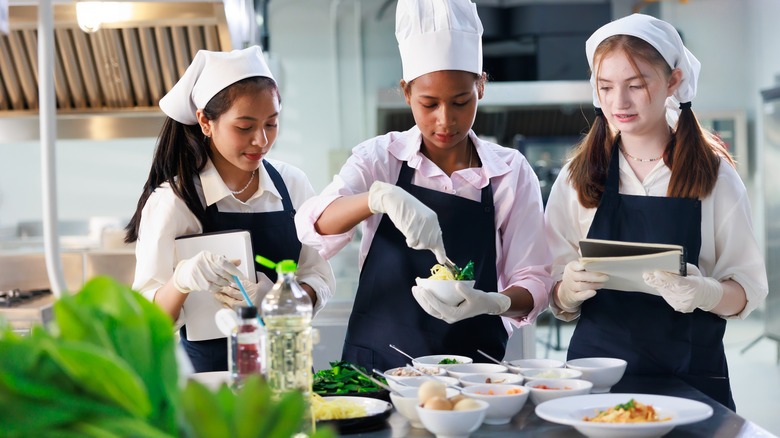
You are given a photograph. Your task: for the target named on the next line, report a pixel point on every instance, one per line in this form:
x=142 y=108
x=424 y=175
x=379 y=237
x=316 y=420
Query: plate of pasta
x=348 y=414
x=623 y=415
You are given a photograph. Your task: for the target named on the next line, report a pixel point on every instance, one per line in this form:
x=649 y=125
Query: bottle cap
x=286 y=266
x=247 y=312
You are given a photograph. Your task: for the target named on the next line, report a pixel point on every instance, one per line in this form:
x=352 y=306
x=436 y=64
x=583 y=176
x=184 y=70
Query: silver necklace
x=641 y=160
x=251 y=178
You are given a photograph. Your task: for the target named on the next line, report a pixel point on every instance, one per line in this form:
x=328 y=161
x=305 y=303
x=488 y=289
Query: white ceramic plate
x=572 y=410
x=213 y=379
x=377 y=412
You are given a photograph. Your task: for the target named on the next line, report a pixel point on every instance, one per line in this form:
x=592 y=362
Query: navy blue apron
x=641 y=328
x=385 y=311
x=273 y=236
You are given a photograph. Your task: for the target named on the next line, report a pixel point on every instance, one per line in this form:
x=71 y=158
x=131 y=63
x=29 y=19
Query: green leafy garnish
x=342 y=379
x=448 y=361
x=467 y=273
x=627 y=406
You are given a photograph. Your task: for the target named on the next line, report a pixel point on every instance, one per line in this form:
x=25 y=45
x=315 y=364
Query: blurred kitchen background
x=338 y=68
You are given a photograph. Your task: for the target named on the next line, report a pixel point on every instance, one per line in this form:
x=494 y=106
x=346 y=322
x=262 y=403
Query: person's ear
x=407 y=92
x=675 y=79
x=481 y=85
x=203 y=121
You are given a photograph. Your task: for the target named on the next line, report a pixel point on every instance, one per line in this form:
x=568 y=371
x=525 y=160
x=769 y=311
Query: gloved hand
x=418 y=223
x=205 y=271
x=686 y=294
x=231 y=297
x=475 y=302
x=577 y=285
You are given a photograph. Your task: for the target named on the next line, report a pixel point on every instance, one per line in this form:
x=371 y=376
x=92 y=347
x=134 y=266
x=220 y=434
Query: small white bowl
x=603 y=372
x=406 y=402
x=435 y=371
x=520 y=365
x=503 y=400
x=551 y=373
x=556 y=388
x=434 y=359
x=444 y=289
x=461 y=370
x=415 y=382
x=453 y=424
x=495 y=379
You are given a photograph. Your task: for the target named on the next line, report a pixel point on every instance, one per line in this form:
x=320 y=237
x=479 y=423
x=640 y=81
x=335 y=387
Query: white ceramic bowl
x=464 y=369
x=434 y=359
x=444 y=289
x=495 y=379
x=603 y=372
x=547 y=389
x=406 y=402
x=415 y=382
x=453 y=424
x=504 y=402
x=520 y=365
x=551 y=373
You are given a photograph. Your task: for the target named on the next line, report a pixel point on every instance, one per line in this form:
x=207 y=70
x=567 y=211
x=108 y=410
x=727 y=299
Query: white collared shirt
x=522 y=257
x=166 y=217
x=728 y=246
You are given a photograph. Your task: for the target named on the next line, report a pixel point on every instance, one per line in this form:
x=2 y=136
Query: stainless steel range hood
x=107 y=83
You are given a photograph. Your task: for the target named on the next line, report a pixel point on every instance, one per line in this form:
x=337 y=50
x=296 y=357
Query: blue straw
x=246 y=298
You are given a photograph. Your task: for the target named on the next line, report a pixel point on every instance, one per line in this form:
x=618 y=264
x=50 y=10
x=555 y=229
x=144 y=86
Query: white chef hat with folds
x=438 y=35
x=664 y=38
x=208 y=74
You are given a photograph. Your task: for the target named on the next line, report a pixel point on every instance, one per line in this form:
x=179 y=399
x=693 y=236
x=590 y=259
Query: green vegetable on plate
x=342 y=379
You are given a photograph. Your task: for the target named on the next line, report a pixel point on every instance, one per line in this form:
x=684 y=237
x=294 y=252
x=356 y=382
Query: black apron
x=273 y=236
x=385 y=311
x=641 y=328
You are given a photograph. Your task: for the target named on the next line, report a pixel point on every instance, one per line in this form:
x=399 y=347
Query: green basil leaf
x=202 y=412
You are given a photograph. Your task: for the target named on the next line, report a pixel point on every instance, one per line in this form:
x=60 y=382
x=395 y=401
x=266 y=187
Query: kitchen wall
x=329 y=105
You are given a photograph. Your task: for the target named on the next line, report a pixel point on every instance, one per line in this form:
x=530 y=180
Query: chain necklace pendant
x=251 y=178
x=641 y=160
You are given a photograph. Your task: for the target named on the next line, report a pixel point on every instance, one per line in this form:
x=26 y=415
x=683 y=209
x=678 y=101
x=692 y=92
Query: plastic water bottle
x=287 y=311
x=246 y=346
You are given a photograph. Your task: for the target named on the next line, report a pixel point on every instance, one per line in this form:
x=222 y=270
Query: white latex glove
x=686 y=294
x=205 y=271
x=475 y=302
x=577 y=285
x=231 y=297
x=418 y=223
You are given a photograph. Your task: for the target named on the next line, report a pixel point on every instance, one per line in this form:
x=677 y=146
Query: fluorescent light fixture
x=92 y=14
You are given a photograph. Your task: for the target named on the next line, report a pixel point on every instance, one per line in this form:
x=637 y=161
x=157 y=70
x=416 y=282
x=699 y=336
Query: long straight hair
x=182 y=151
x=693 y=154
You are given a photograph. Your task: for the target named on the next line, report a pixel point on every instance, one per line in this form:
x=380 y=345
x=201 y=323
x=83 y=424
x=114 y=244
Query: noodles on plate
x=630 y=412
x=336 y=409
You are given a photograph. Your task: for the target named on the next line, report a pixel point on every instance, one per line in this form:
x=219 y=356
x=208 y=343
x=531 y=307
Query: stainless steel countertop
x=724 y=423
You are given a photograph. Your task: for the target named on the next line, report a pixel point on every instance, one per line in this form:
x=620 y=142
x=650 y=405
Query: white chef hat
x=664 y=38
x=438 y=35
x=208 y=74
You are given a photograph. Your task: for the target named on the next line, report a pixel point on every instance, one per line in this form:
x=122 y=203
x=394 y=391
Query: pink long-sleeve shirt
x=523 y=258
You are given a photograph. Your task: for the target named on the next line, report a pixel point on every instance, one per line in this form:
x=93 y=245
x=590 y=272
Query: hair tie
x=685 y=105
x=598 y=111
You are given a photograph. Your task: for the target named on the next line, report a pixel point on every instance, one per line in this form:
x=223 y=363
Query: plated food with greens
x=341 y=379
x=442 y=282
